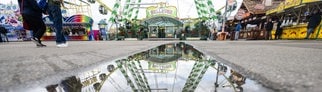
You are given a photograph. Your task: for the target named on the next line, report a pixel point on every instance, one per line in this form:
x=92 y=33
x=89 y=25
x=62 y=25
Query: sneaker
x=62 y=45
x=66 y=44
x=36 y=41
x=41 y=45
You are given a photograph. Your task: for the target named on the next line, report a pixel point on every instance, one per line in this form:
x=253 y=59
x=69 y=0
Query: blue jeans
x=236 y=35
x=309 y=31
x=55 y=15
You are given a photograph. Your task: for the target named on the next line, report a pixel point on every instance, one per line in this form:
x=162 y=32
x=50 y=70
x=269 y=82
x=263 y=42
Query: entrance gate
x=162 y=26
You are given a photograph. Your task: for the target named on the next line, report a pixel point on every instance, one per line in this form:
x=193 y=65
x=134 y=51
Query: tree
x=202 y=29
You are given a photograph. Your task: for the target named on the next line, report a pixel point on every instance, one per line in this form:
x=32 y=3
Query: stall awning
x=69 y=24
x=290 y=4
x=310 y=1
x=161 y=21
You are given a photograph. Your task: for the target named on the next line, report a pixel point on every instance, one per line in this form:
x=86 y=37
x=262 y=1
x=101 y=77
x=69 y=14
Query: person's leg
x=308 y=33
x=41 y=29
x=236 y=35
x=280 y=34
x=6 y=37
x=269 y=33
x=276 y=34
x=1 y=37
x=2 y=31
x=37 y=25
x=28 y=24
x=56 y=16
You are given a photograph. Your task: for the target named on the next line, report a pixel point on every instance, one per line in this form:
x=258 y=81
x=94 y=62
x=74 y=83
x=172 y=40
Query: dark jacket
x=54 y=2
x=29 y=7
x=279 y=28
x=269 y=26
x=314 y=21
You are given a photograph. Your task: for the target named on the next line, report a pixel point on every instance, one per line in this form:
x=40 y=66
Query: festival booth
x=76 y=27
x=11 y=20
x=161 y=21
x=254 y=19
x=295 y=15
x=253 y=27
x=15 y=33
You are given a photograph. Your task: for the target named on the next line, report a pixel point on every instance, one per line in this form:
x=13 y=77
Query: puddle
x=174 y=67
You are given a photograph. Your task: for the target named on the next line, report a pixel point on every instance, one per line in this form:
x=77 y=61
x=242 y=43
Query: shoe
x=41 y=45
x=36 y=41
x=62 y=45
x=66 y=44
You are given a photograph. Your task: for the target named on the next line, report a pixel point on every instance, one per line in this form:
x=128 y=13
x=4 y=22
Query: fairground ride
x=74 y=7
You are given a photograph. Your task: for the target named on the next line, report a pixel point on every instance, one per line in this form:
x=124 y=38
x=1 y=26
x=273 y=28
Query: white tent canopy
x=186 y=8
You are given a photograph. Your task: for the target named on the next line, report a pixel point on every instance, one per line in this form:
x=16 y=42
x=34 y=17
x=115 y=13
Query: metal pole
x=117 y=28
x=216 y=83
x=116 y=38
x=107 y=33
x=222 y=34
x=224 y=17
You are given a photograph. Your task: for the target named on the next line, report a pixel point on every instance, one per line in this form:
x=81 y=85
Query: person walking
x=32 y=20
x=237 y=30
x=279 y=30
x=314 y=21
x=55 y=15
x=269 y=28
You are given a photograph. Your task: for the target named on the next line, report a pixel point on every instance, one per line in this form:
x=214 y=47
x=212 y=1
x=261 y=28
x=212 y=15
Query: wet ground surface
x=176 y=67
x=283 y=65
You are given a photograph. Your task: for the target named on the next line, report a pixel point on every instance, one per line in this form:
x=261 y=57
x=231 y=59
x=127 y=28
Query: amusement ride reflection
x=175 y=67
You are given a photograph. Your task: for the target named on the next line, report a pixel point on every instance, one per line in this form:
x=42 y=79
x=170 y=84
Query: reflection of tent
x=163 y=58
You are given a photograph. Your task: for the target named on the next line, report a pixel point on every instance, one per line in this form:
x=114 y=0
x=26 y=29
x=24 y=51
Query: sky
x=186 y=8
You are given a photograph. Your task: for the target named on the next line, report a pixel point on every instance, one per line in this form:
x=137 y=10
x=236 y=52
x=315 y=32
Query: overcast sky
x=186 y=8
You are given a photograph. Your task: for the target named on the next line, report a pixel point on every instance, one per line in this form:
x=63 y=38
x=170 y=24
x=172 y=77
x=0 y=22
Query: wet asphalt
x=283 y=65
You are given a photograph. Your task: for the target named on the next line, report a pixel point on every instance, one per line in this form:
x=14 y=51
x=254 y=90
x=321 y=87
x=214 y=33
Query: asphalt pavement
x=283 y=65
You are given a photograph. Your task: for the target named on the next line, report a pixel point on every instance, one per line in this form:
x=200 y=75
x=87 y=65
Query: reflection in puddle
x=168 y=68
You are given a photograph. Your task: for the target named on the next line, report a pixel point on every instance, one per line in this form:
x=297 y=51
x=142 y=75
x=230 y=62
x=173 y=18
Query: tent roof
x=185 y=8
x=162 y=21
